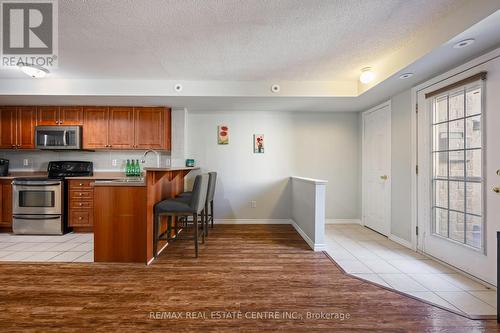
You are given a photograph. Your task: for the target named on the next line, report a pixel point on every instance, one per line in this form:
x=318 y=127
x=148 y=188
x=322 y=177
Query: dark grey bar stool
x=182 y=208
x=209 y=204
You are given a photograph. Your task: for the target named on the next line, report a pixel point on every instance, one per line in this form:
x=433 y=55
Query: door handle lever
x=384 y=177
x=496 y=189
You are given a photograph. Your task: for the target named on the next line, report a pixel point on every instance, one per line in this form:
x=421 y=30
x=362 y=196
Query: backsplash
x=103 y=160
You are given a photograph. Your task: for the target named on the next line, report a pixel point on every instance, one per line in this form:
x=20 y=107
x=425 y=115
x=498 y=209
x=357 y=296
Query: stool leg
x=212 y=212
x=195 y=220
x=203 y=227
x=176 y=228
x=206 y=219
x=156 y=221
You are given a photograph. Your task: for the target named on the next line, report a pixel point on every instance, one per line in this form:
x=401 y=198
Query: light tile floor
x=65 y=248
x=373 y=257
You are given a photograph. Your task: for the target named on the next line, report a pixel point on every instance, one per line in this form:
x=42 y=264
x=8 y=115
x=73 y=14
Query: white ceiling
x=318 y=46
x=233 y=40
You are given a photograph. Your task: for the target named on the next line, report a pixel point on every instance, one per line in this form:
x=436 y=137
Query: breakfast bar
x=123 y=214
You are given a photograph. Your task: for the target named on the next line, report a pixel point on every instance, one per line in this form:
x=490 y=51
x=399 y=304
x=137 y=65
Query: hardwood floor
x=255 y=269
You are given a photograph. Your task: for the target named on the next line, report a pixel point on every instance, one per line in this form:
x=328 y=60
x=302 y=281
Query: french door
x=457 y=209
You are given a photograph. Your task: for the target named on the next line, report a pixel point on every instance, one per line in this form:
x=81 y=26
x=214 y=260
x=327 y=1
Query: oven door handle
x=34 y=184
x=31 y=217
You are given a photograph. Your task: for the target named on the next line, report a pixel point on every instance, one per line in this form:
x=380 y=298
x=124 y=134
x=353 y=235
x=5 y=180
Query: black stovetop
x=64 y=169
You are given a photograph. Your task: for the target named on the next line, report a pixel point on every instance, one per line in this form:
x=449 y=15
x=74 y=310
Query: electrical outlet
x=253 y=204
x=114 y=162
x=26 y=162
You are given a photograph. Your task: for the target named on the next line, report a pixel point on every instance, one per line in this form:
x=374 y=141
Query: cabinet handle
x=80 y=218
x=81 y=184
x=80 y=204
x=81 y=194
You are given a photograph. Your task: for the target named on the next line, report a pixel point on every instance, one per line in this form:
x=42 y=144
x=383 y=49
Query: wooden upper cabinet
x=47 y=115
x=152 y=128
x=26 y=123
x=121 y=128
x=59 y=115
x=8 y=127
x=71 y=115
x=95 y=127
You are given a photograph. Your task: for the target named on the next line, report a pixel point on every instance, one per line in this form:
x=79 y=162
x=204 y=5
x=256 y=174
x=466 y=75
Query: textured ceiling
x=234 y=40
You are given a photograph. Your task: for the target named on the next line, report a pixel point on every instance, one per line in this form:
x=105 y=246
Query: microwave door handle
x=65 y=142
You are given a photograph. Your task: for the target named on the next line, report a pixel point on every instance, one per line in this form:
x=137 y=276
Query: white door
x=377 y=168
x=458 y=136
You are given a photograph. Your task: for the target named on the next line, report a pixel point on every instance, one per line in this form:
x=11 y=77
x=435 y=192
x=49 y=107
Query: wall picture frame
x=223 y=134
x=258 y=143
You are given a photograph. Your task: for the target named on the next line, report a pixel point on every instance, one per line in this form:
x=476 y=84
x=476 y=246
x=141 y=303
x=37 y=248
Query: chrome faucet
x=143 y=160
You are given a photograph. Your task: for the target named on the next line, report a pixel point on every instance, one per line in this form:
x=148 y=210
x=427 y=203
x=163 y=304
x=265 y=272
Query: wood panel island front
x=123 y=214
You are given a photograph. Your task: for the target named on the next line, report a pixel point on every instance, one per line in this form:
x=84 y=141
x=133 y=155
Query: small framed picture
x=258 y=143
x=223 y=135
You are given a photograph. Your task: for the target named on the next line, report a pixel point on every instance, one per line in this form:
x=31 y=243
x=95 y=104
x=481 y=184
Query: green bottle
x=127 y=168
x=138 y=168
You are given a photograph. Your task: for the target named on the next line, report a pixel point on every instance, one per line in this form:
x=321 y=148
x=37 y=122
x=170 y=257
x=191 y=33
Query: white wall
x=401 y=165
x=316 y=145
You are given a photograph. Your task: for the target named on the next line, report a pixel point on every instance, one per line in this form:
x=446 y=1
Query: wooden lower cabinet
x=5 y=203
x=81 y=203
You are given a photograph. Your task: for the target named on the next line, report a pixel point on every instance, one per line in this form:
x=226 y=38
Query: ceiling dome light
x=367 y=75
x=36 y=72
x=464 y=43
x=405 y=76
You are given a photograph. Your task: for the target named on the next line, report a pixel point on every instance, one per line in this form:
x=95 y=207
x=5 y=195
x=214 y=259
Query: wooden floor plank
x=242 y=268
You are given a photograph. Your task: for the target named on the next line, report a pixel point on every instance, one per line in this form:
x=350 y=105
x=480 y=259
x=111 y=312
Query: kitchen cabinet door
x=152 y=128
x=71 y=115
x=26 y=123
x=47 y=115
x=95 y=127
x=5 y=203
x=121 y=128
x=8 y=125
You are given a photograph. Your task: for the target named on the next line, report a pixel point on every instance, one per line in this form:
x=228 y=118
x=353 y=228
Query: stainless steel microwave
x=58 y=137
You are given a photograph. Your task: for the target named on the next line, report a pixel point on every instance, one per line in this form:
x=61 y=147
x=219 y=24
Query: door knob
x=496 y=189
x=384 y=177
x=498 y=172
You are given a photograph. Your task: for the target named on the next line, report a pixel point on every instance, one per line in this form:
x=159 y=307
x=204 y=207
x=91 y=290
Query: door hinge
x=416 y=169
x=416 y=230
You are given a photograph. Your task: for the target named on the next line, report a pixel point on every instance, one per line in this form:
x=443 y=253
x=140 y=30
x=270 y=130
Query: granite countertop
x=170 y=169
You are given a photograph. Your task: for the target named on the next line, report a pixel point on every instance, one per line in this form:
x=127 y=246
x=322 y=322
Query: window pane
x=457 y=197
x=440 y=165
x=456 y=138
x=474 y=198
x=441 y=222
x=457 y=164
x=457 y=224
x=441 y=109
x=473 y=105
x=441 y=193
x=440 y=137
x=474 y=231
x=457 y=106
x=474 y=164
x=473 y=132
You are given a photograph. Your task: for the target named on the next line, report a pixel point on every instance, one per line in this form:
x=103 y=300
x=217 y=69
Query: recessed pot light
x=464 y=43
x=405 y=76
x=367 y=75
x=34 y=71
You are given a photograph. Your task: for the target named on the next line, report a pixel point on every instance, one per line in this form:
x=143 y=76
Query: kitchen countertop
x=27 y=174
x=170 y=169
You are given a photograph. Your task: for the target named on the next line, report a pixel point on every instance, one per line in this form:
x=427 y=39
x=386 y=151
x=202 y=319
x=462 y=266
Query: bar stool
x=209 y=204
x=178 y=207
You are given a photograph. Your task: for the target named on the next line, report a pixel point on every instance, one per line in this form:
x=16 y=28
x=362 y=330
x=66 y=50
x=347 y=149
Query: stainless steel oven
x=58 y=137
x=37 y=206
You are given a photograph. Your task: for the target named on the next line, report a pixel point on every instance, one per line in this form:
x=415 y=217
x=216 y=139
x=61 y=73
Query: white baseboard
x=314 y=246
x=252 y=221
x=400 y=241
x=343 y=221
